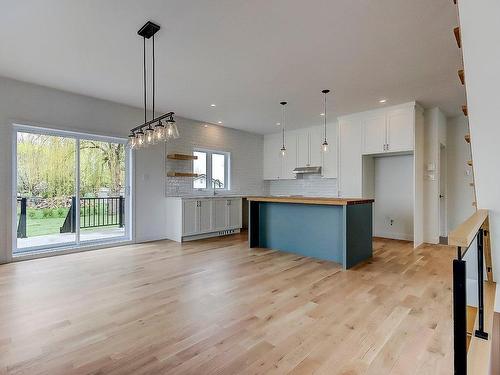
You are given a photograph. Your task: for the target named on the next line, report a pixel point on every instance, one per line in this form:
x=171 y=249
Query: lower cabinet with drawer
x=196 y=218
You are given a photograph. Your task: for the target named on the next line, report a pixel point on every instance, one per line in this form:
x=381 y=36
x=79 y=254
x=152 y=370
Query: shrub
x=61 y=212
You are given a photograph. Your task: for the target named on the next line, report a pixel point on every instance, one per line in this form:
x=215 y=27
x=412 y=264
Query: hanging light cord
x=325 y=115
x=283 y=127
x=145 y=95
x=153 y=77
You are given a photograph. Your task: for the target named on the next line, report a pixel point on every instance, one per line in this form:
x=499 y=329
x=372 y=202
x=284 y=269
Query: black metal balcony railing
x=94 y=213
x=473 y=229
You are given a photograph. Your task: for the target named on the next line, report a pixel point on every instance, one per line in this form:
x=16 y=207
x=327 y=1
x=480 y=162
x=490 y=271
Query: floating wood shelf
x=464 y=110
x=461 y=75
x=467 y=138
x=181 y=174
x=456 y=31
x=181 y=157
x=469 y=163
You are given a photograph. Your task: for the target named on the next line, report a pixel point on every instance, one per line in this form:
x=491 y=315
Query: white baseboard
x=395 y=236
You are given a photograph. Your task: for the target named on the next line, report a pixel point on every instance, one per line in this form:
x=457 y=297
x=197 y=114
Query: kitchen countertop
x=312 y=200
x=201 y=196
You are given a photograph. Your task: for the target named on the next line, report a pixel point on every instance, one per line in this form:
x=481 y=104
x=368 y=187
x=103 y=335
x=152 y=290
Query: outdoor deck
x=23 y=244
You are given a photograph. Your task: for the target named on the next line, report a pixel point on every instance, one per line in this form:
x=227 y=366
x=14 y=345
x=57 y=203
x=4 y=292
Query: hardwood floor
x=217 y=307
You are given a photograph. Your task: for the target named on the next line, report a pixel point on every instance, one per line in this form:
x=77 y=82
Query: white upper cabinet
x=374 y=134
x=289 y=162
x=272 y=158
x=388 y=130
x=303 y=149
x=315 y=141
x=350 y=148
x=400 y=130
x=330 y=158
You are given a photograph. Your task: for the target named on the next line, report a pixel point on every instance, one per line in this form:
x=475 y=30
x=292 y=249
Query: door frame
x=443 y=189
x=77 y=245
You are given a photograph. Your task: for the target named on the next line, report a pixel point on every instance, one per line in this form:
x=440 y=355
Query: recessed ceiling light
x=219 y=122
x=321 y=114
x=205 y=126
x=213 y=105
x=278 y=123
x=382 y=101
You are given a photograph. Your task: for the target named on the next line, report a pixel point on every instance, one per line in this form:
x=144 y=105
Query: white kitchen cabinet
x=400 y=130
x=234 y=209
x=272 y=158
x=309 y=142
x=190 y=217
x=315 y=141
x=388 y=130
x=374 y=134
x=330 y=158
x=350 y=154
x=193 y=218
x=205 y=213
x=219 y=214
x=289 y=161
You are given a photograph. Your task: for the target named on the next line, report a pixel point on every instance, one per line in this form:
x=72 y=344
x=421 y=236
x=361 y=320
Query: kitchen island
x=334 y=229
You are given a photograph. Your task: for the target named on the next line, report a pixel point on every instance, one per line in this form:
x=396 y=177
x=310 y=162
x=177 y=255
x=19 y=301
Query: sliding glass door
x=72 y=190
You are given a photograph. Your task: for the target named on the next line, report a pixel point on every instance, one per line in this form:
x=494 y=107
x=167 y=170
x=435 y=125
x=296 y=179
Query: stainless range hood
x=306 y=170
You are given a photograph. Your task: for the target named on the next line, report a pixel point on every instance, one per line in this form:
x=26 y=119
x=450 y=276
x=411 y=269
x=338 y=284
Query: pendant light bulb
x=283 y=151
x=172 y=131
x=324 y=145
x=150 y=135
x=132 y=141
x=160 y=132
x=141 y=140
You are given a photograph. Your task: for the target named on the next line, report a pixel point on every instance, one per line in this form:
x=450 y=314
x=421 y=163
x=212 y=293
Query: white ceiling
x=243 y=55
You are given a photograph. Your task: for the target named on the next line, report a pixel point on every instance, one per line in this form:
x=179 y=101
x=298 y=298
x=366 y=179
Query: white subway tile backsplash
x=308 y=185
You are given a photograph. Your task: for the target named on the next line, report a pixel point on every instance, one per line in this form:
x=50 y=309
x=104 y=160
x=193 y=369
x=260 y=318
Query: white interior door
x=443 y=223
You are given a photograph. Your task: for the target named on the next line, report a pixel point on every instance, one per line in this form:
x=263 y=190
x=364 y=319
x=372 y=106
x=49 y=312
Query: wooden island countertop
x=312 y=200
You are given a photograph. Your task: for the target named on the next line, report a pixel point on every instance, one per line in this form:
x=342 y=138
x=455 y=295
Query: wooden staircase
x=479 y=351
x=461 y=77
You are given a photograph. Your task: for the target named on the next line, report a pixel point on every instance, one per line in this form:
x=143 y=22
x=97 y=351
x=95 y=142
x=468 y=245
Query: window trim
x=227 y=169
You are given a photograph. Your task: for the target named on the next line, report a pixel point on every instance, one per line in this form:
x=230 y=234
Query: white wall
x=434 y=135
x=481 y=51
x=393 y=176
x=246 y=156
x=460 y=194
x=27 y=103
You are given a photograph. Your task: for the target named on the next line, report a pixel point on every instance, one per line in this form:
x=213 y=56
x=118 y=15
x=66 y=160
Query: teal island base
x=339 y=232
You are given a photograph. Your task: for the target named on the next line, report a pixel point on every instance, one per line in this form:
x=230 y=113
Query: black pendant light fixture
x=283 y=147
x=153 y=131
x=324 y=145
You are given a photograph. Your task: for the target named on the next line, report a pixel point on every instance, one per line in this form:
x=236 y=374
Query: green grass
x=41 y=222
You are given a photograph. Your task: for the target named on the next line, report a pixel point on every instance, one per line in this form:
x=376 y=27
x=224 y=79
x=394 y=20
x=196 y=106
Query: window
x=212 y=168
x=71 y=190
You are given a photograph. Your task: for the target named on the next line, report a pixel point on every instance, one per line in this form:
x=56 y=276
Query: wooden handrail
x=464 y=234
